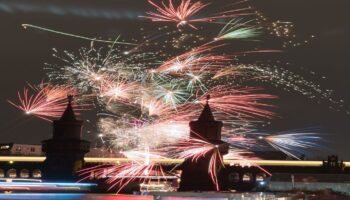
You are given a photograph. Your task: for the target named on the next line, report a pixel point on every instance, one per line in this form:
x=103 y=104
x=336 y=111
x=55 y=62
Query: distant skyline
x=23 y=54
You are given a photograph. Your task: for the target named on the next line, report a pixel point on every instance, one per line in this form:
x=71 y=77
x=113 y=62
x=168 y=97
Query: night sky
x=24 y=52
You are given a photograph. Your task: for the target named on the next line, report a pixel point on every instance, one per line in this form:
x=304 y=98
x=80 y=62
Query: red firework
x=179 y=15
x=183 y=14
x=195 y=60
x=193 y=149
x=141 y=169
x=239 y=102
x=117 y=89
x=46 y=102
x=119 y=176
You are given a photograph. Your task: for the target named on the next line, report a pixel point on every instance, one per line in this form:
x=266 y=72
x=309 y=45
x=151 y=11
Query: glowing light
x=26 y=26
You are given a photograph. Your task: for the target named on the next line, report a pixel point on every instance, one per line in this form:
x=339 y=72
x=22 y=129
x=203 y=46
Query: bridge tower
x=195 y=175
x=65 y=150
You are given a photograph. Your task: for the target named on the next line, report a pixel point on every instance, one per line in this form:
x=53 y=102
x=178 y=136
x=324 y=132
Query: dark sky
x=24 y=52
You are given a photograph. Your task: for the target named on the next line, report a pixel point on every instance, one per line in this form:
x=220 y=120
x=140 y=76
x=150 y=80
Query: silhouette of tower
x=195 y=175
x=65 y=150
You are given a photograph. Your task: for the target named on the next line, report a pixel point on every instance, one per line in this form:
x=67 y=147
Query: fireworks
x=93 y=66
x=155 y=107
x=215 y=157
x=170 y=95
x=118 y=90
x=229 y=71
x=128 y=134
x=241 y=103
x=179 y=15
x=119 y=175
x=195 y=60
x=291 y=142
x=145 y=96
x=235 y=29
x=290 y=81
x=284 y=30
x=184 y=13
x=193 y=149
x=25 y=26
x=46 y=102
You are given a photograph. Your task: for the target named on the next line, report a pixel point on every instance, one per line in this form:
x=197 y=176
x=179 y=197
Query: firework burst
x=179 y=15
x=193 y=149
x=293 y=142
x=184 y=13
x=93 y=66
x=118 y=90
x=46 y=101
x=194 y=61
x=235 y=29
x=239 y=102
x=147 y=95
x=141 y=169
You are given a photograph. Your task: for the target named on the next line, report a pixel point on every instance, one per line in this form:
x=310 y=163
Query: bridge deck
x=177 y=161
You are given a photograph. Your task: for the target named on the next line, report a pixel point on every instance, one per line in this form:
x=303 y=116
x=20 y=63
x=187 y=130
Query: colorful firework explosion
x=146 y=95
x=142 y=169
x=46 y=101
x=184 y=13
x=292 y=142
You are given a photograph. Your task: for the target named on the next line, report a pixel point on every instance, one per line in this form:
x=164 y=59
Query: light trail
x=25 y=26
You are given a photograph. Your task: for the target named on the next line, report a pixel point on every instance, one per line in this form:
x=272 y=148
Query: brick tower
x=65 y=150
x=195 y=176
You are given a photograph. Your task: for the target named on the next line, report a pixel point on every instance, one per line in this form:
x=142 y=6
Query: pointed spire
x=206 y=114
x=68 y=114
x=208 y=98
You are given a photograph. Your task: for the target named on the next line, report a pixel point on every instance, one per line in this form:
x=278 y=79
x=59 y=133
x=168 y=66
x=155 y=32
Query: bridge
x=239 y=174
x=95 y=160
x=66 y=149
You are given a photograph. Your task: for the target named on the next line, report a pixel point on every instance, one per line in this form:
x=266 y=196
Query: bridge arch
x=247 y=177
x=260 y=176
x=11 y=173
x=234 y=177
x=2 y=173
x=36 y=173
x=24 y=173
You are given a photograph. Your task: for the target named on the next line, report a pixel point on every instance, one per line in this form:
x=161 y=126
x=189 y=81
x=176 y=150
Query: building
x=14 y=149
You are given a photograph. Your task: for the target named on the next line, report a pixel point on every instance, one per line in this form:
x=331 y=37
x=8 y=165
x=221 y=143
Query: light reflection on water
x=75 y=196
x=58 y=196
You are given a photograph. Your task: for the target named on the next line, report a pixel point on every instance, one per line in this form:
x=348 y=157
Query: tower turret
x=206 y=126
x=195 y=175
x=65 y=150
